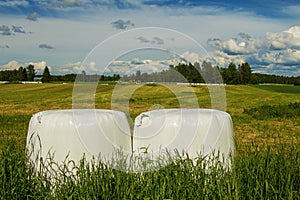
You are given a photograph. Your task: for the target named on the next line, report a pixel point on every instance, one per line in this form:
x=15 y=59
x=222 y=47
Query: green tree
x=30 y=72
x=199 y=78
x=225 y=75
x=209 y=72
x=13 y=77
x=22 y=74
x=233 y=74
x=138 y=75
x=254 y=79
x=46 y=75
x=245 y=73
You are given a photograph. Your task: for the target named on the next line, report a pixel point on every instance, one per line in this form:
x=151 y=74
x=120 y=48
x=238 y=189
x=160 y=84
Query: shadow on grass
x=280 y=88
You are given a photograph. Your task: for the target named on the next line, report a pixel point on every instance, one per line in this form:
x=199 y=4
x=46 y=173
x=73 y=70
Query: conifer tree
x=46 y=75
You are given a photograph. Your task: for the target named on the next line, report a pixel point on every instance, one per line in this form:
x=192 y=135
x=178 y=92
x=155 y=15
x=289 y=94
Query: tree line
x=182 y=72
x=24 y=74
x=207 y=73
x=83 y=77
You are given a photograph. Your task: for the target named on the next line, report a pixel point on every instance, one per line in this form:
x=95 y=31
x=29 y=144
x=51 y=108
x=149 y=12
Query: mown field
x=267 y=147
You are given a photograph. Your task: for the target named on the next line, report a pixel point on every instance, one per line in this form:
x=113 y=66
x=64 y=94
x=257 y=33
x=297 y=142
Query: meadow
x=266 y=166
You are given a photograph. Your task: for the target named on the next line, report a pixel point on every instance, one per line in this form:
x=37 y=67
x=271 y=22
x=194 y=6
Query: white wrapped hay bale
x=197 y=132
x=59 y=136
x=68 y=135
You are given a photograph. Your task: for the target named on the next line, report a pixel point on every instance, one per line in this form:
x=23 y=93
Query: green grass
x=292 y=110
x=280 y=88
x=255 y=175
x=267 y=150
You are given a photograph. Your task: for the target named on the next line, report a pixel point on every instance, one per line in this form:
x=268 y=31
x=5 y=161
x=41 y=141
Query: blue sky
x=61 y=34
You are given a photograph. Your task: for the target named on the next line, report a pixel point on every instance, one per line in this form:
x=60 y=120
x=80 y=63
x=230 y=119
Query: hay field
x=266 y=122
x=19 y=101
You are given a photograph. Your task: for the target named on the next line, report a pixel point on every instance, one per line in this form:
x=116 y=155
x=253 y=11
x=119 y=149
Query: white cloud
x=284 y=57
x=223 y=59
x=158 y=40
x=33 y=16
x=11 y=65
x=279 y=69
x=13 y=3
x=290 y=56
x=72 y=1
x=89 y=67
x=144 y=65
x=74 y=34
x=285 y=39
x=17 y=29
x=69 y=68
x=277 y=50
x=154 y=40
x=292 y=10
x=191 y=57
x=122 y=25
x=39 y=66
x=235 y=46
x=5 y=30
x=74 y=64
x=92 y=67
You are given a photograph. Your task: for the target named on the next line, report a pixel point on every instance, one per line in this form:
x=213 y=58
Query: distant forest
x=206 y=73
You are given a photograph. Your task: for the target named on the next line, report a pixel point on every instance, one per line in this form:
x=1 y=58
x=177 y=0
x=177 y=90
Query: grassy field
x=267 y=148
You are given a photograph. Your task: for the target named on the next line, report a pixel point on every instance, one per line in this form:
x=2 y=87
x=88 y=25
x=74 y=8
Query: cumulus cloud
x=284 y=57
x=274 y=51
x=92 y=67
x=6 y=30
x=130 y=67
x=154 y=40
x=285 y=39
x=278 y=69
x=65 y=4
x=72 y=67
x=11 y=65
x=144 y=65
x=235 y=46
x=137 y=61
x=13 y=3
x=33 y=16
x=72 y=2
x=281 y=47
x=39 y=66
x=143 y=39
x=244 y=36
x=46 y=46
x=17 y=29
x=122 y=25
x=191 y=57
x=157 y=40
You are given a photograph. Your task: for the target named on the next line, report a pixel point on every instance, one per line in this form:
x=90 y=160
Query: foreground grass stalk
x=270 y=174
